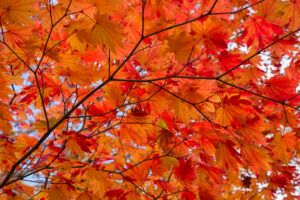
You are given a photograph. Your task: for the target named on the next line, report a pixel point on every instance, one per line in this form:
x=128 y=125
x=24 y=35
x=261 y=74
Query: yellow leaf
x=208 y=107
x=184 y=111
x=41 y=125
x=107 y=6
x=225 y=115
x=284 y=146
x=77 y=31
x=5 y=117
x=56 y=193
x=24 y=142
x=105 y=32
x=291 y=10
x=181 y=44
x=98 y=180
x=87 y=196
x=82 y=75
x=5 y=81
x=215 y=99
x=17 y=11
x=41 y=195
x=114 y=94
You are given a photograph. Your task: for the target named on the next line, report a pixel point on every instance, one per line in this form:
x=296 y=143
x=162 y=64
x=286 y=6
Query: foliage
x=149 y=99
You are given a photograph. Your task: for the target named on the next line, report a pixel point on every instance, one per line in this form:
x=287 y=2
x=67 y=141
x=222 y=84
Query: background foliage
x=149 y=99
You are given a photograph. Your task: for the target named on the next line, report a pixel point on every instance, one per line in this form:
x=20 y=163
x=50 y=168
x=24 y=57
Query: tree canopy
x=149 y=99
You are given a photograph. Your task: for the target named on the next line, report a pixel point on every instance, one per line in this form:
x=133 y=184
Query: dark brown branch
x=211 y=9
x=162 y=191
x=3 y=42
x=108 y=63
x=157 y=157
x=172 y=193
x=240 y=10
x=194 y=106
x=136 y=186
x=147 y=47
x=45 y=136
x=42 y=100
x=115 y=109
x=258 y=52
x=143 y=16
x=50 y=32
x=164 y=78
x=176 y=25
x=256 y=94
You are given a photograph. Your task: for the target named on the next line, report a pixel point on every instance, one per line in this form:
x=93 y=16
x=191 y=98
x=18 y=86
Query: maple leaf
x=181 y=45
x=231 y=106
x=185 y=172
x=213 y=172
x=257 y=158
x=107 y=6
x=284 y=146
x=114 y=94
x=77 y=73
x=77 y=34
x=225 y=115
x=15 y=11
x=198 y=91
x=184 y=111
x=227 y=156
x=78 y=144
x=260 y=32
x=169 y=121
x=134 y=133
x=166 y=186
x=281 y=88
x=293 y=16
x=56 y=193
x=170 y=99
x=229 y=61
x=187 y=195
x=166 y=139
x=252 y=129
x=99 y=109
x=7 y=153
x=5 y=117
x=119 y=194
x=87 y=196
x=24 y=142
x=105 y=32
x=99 y=181
x=206 y=194
x=212 y=32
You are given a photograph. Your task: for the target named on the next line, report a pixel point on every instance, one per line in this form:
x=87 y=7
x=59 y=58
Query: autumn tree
x=149 y=99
